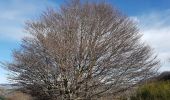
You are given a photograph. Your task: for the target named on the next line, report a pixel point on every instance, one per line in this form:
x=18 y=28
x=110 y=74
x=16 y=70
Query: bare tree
x=83 y=51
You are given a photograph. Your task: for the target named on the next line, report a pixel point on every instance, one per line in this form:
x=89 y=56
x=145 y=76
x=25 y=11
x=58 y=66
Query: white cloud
x=15 y=13
x=3 y=76
x=155 y=28
x=3 y=80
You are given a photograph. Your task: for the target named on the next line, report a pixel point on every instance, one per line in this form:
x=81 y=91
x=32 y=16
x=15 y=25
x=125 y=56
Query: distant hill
x=8 y=86
x=164 y=76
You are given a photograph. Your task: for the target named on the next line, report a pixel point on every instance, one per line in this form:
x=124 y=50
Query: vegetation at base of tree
x=158 y=90
x=2 y=98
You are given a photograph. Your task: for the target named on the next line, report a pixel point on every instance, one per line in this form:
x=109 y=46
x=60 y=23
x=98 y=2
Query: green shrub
x=153 y=91
x=2 y=98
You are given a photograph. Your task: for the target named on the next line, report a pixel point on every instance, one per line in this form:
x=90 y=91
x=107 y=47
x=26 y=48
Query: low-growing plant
x=2 y=98
x=153 y=91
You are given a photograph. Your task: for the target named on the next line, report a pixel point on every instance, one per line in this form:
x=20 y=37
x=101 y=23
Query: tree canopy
x=82 y=51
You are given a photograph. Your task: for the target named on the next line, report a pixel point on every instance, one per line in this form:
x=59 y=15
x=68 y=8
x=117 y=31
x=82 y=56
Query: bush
x=2 y=98
x=153 y=91
x=2 y=91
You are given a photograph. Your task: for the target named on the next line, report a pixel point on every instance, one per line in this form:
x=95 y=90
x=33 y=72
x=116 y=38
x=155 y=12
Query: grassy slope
x=158 y=90
x=9 y=94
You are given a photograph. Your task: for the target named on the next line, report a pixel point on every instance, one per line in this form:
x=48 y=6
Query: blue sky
x=152 y=16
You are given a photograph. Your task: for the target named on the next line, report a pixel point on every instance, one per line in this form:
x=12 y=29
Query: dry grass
x=1 y=91
x=18 y=96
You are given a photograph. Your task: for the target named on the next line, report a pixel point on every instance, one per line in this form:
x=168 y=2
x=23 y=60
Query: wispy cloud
x=16 y=12
x=3 y=80
x=13 y=15
x=155 y=28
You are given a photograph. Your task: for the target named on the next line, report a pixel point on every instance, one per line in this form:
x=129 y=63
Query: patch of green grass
x=153 y=91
